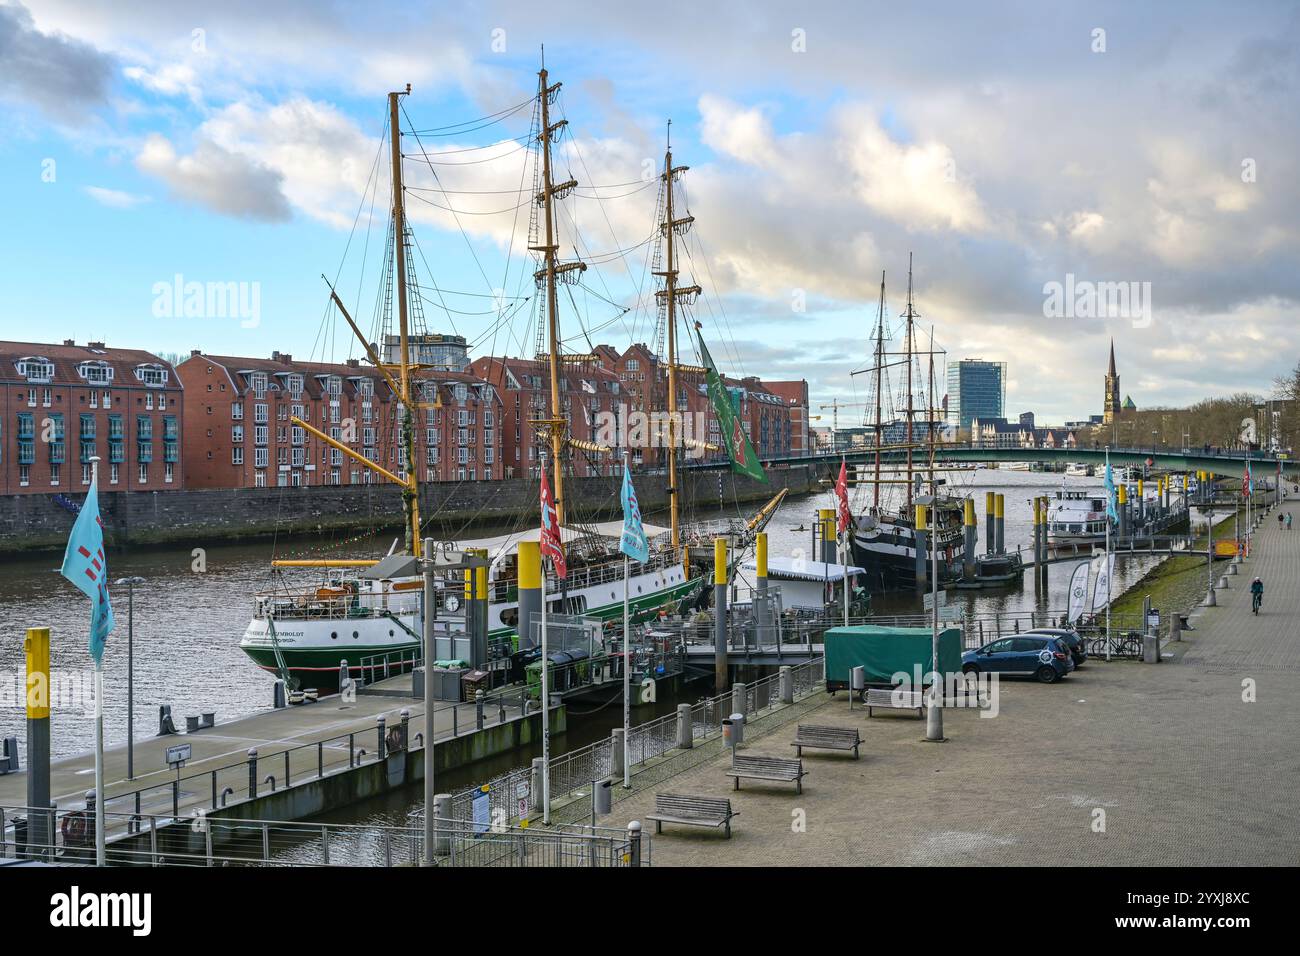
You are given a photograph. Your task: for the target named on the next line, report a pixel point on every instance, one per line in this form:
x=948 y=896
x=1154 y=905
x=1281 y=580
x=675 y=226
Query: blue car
x=1045 y=657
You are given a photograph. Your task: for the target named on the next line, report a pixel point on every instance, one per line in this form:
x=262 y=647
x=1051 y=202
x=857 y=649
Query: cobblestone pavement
x=1177 y=763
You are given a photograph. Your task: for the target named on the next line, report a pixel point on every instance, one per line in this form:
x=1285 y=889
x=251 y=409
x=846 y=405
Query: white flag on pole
x=1078 y=590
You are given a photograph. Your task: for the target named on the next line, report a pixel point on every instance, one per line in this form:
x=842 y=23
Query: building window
x=24 y=475
x=236 y=456
x=86 y=471
x=169 y=471
x=237 y=410
x=259 y=457
x=259 y=479
x=144 y=472
x=114 y=473
x=236 y=433
x=54 y=474
x=260 y=412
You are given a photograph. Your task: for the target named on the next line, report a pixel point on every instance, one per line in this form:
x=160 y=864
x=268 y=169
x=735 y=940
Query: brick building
x=590 y=395
x=241 y=433
x=61 y=405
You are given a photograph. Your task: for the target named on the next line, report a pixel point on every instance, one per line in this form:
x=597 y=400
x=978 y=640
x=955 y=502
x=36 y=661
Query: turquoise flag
x=633 y=543
x=85 y=566
x=1112 y=512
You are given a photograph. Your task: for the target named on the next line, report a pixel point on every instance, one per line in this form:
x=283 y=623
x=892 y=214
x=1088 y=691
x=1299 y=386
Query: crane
x=835 y=407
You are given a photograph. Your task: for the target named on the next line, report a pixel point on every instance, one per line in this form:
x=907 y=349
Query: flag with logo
x=633 y=542
x=85 y=566
x=1105 y=567
x=741 y=452
x=1112 y=510
x=1078 y=590
x=551 y=545
x=843 y=517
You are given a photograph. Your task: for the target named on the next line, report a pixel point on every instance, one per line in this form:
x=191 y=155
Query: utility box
x=1151 y=648
x=440 y=683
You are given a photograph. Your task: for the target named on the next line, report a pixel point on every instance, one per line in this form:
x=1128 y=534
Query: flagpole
x=1109 y=492
x=100 y=855
x=627 y=660
x=546 y=691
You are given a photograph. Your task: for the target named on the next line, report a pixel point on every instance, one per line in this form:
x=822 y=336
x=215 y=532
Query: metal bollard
x=535 y=787
x=252 y=772
x=442 y=814
x=478 y=709
x=381 y=746
x=634 y=843
x=787 y=685
x=406 y=729
x=739 y=698
x=617 y=752
x=685 y=727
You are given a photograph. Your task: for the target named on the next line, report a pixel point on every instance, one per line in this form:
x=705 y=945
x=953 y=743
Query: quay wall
x=35 y=523
x=315 y=795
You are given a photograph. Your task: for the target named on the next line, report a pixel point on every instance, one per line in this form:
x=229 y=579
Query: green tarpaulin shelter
x=884 y=651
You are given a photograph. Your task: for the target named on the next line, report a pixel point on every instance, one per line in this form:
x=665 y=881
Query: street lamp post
x=130 y=671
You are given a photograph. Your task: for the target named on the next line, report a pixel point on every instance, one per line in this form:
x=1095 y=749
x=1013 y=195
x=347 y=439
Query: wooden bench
x=758 y=767
x=891 y=698
x=826 y=738
x=693 y=811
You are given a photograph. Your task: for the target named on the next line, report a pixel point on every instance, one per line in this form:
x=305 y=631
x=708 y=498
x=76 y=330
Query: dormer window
x=257 y=382
x=96 y=373
x=152 y=374
x=293 y=383
x=36 y=368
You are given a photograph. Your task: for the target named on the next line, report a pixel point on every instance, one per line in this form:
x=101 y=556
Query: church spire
x=1111 y=370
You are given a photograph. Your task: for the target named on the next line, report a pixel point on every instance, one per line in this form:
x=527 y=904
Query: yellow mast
x=411 y=488
x=555 y=425
x=670 y=293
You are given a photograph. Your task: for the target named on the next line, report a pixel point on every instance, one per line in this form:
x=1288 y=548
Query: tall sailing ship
x=883 y=536
x=363 y=608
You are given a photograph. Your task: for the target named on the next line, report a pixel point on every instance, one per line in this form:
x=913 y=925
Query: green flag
x=734 y=438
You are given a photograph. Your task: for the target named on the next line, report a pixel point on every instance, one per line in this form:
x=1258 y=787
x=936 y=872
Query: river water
x=188 y=619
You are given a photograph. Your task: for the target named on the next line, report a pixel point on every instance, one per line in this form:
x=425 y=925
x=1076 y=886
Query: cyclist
x=1256 y=595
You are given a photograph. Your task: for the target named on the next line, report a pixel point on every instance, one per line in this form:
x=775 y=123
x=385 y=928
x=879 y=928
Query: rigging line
x=514 y=230
x=604 y=213
x=463 y=233
x=474 y=149
x=631 y=192
x=468 y=162
x=496 y=117
x=446 y=308
x=708 y=267
x=441 y=302
x=467 y=212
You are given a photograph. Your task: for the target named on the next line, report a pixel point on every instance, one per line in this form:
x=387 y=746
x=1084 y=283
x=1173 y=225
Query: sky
x=1023 y=155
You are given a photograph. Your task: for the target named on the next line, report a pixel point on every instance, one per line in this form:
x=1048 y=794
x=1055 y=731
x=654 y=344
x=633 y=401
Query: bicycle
x=1256 y=600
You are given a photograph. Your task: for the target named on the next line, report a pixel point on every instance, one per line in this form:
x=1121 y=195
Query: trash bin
x=733 y=730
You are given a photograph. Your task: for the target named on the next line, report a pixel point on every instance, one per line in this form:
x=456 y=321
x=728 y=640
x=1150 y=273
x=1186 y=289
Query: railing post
x=176 y=798
x=535 y=785
x=320 y=759
x=441 y=816
x=478 y=709
x=325 y=844
x=214 y=790
x=252 y=772
x=406 y=729
x=266 y=843
x=787 y=685
x=634 y=843
x=207 y=842
x=153 y=839
x=380 y=747
x=352 y=750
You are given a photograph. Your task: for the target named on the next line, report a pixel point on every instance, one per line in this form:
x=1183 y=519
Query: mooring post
x=999 y=523
x=617 y=752
x=787 y=684
x=40 y=825
x=739 y=698
x=634 y=843
x=381 y=744
x=478 y=708
x=721 y=666
x=252 y=772
x=685 y=728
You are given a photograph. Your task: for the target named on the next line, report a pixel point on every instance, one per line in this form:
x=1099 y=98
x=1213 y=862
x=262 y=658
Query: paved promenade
x=1185 y=770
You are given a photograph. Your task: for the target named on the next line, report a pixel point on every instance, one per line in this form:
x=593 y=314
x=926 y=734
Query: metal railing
x=513 y=795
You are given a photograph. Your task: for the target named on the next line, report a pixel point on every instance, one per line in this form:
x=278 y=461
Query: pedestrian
x=1288 y=521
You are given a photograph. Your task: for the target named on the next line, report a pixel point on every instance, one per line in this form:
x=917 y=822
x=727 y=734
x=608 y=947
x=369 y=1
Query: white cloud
x=115 y=198
x=214 y=177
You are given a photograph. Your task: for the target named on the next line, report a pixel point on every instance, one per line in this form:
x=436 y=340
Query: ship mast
x=411 y=492
x=670 y=227
x=555 y=426
x=880 y=371
x=911 y=315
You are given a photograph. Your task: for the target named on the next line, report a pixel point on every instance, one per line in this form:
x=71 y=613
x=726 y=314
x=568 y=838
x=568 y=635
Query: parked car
x=1078 y=647
x=1045 y=657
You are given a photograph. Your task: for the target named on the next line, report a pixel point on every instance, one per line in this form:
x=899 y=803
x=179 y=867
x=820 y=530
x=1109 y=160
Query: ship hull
x=313 y=650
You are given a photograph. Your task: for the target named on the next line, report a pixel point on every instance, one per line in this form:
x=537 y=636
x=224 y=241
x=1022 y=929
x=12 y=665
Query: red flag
x=842 y=498
x=551 y=544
